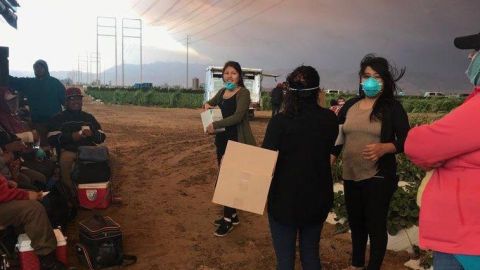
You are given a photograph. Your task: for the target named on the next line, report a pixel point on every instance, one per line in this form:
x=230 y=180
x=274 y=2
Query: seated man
x=16 y=129
x=70 y=129
x=21 y=209
x=11 y=165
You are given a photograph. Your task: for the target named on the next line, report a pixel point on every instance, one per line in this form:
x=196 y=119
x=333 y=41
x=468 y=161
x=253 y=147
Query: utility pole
x=95 y=58
x=188 y=40
x=97 y=50
x=81 y=61
x=123 y=65
x=139 y=36
x=116 y=65
x=141 y=45
x=112 y=25
x=78 y=70
x=88 y=64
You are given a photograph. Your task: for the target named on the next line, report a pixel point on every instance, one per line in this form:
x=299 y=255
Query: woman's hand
x=35 y=196
x=12 y=184
x=210 y=129
x=207 y=106
x=375 y=151
x=87 y=133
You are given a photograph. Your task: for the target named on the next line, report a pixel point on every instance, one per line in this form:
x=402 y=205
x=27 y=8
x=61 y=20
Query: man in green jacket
x=45 y=95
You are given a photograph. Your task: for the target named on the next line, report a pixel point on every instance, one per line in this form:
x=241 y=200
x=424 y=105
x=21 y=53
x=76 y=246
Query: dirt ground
x=164 y=170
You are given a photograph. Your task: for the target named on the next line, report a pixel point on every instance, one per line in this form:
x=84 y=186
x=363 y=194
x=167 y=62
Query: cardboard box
x=210 y=116
x=245 y=176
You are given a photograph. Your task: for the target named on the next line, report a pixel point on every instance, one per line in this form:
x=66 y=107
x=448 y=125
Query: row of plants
x=154 y=89
x=181 y=98
x=411 y=105
x=435 y=105
x=168 y=99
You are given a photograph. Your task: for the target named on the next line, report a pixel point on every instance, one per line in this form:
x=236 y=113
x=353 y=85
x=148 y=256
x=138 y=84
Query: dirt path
x=164 y=169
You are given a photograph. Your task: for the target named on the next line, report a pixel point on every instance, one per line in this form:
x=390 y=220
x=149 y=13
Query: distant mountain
x=174 y=73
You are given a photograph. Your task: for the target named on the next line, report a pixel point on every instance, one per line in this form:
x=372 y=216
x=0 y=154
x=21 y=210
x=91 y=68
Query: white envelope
x=210 y=116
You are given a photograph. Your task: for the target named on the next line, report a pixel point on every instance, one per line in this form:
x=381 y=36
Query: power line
x=208 y=20
x=245 y=20
x=208 y=28
x=171 y=10
x=190 y=18
x=167 y=11
x=188 y=11
x=154 y=3
x=136 y=4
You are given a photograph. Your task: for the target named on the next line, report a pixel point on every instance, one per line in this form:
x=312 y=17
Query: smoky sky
x=331 y=35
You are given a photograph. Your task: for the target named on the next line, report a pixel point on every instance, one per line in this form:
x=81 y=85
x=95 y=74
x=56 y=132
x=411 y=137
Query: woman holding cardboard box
x=233 y=100
x=301 y=192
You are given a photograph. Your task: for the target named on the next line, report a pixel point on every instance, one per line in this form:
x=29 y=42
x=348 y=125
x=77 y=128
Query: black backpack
x=101 y=244
x=61 y=205
x=92 y=165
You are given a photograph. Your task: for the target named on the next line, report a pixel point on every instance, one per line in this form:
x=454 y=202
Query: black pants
x=275 y=109
x=228 y=212
x=367 y=204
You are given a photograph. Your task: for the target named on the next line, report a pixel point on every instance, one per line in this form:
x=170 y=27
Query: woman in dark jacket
x=301 y=193
x=234 y=101
x=375 y=127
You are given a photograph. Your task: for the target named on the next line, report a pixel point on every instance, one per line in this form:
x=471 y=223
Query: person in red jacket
x=449 y=221
x=22 y=209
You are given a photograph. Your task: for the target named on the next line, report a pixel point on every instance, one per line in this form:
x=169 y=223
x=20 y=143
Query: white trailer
x=252 y=78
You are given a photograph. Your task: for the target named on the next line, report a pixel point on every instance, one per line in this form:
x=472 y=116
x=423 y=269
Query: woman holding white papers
x=375 y=126
x=234 y=101
x=301 y=192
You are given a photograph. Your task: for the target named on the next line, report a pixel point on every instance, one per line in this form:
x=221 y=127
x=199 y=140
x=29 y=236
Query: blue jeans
x=445 y=261
x=284 y=242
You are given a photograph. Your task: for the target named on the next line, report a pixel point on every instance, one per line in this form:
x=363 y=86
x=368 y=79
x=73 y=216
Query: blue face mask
x=473 y=71
x=230 y=86
x=371 y=87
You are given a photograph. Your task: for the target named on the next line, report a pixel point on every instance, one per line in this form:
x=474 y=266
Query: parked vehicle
x=434 y=94
x=333 y=92
x=461 y=95
x=143 y=85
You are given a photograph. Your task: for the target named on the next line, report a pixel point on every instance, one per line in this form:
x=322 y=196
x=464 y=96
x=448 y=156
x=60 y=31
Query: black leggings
x=228 y=212
x=367 y=204
x=275 y=109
